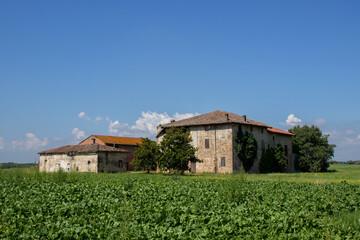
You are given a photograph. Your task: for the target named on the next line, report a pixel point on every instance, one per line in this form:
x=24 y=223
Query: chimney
x=172 y=120
x=244 y=116
x=227 y=116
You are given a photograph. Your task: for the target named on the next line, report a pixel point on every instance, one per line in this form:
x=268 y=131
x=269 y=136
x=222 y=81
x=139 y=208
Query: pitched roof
x=118 y=140
x=86 y=148
x=220 y=117
x=216 y=117
x=276 y=130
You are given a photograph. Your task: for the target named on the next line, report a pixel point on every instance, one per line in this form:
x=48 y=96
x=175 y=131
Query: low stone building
x=125 y=143
x=83 y=158
x=214 y=135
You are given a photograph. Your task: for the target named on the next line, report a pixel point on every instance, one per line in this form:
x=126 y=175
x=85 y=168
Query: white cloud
x=2 y=143
x=320 y=122
x=78 y=135
x=98 y=119
x=83 y=115
x=293 y=121
x=30 y=143
x=146 y=125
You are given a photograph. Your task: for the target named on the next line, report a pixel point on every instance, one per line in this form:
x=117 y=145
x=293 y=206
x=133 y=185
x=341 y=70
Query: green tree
x=312 y=149
x=246 y=148
x=273 y=159
x=146 y=155
x=176 y=150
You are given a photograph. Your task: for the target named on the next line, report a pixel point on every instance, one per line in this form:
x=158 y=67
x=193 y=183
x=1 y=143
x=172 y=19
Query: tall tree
x=176 y=150
x=312 y=148
x=146 y=155
x=246 y=148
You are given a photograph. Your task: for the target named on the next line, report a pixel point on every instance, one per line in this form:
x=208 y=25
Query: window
x=93 y=141
x=286 y=150
x=207 y=143
x=88 y=162
x=223 y=161
x=207 y=128
x=262 y=145
x=262 y=130
x=120 y=163
x=251 y=129
x=273 y=138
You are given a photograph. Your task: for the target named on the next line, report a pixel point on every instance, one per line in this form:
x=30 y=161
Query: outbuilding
x=83 y=158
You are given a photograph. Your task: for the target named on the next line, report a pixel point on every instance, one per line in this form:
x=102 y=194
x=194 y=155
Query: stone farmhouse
x=214 y=135
x=96 y=153
x=83 y=158
x=125 y=143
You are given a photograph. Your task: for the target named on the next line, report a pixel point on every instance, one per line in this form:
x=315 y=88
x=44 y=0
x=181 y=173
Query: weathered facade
x=83 y=158
x=124 y=143
x=214 y=135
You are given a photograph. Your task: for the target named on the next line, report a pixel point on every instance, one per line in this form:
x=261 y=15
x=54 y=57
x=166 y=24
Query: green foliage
x=143 y=206
x=273 y=160
x=246 y=148
x=146 y=155
x=176 y=151
x=312 y=149
x=16 y=165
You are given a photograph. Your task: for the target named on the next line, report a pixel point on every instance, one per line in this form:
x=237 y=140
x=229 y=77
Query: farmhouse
x=214 y=135
x=124 y=143
x=83 y=158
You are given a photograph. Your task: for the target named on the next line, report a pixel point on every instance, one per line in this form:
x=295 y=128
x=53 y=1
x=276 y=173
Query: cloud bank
x=30 y=143
x=82 y=115
x=292 y=120
x=78 y=135
x=146 y=125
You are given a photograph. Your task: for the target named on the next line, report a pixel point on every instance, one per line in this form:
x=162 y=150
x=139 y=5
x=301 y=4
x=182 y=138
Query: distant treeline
x=16 y=165
x=347 y=162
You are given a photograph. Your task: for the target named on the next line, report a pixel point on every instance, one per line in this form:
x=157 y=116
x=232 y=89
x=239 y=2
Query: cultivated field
x=141 y=206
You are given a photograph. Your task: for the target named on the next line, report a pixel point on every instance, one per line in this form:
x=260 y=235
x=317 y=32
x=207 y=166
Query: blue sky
x=69 y=69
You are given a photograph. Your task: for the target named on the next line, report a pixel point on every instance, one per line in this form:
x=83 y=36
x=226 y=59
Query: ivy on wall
x=246 y=148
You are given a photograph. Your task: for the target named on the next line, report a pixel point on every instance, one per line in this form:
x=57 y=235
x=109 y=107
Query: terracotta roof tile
x=86 y=148
x=276 y=130
x=118 y=140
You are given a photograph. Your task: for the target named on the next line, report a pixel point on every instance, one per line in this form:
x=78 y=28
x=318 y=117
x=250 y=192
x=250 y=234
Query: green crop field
x=142 y=206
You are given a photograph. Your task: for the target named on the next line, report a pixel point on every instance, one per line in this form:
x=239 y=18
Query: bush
x=273 y=160
x=246 y=149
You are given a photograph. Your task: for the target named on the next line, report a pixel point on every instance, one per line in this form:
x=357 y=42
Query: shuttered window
x=207 y=143
x=223 y=161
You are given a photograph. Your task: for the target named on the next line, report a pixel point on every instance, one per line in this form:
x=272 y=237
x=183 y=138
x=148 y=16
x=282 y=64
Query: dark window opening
x=262 y=145
x=251 y=129
x=207 y=128
x=273 y=138
x=262 y=130
x=286 y=150
x=207 y=143
x=93 y=141
x=88 y=162
x=223 y=161
x=120 y=163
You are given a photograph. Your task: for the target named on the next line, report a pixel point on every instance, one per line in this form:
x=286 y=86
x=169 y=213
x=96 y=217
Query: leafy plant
x=273 y=159
x=176 y=151
x=312 y=149
x=246 y=148
x=146 y=155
